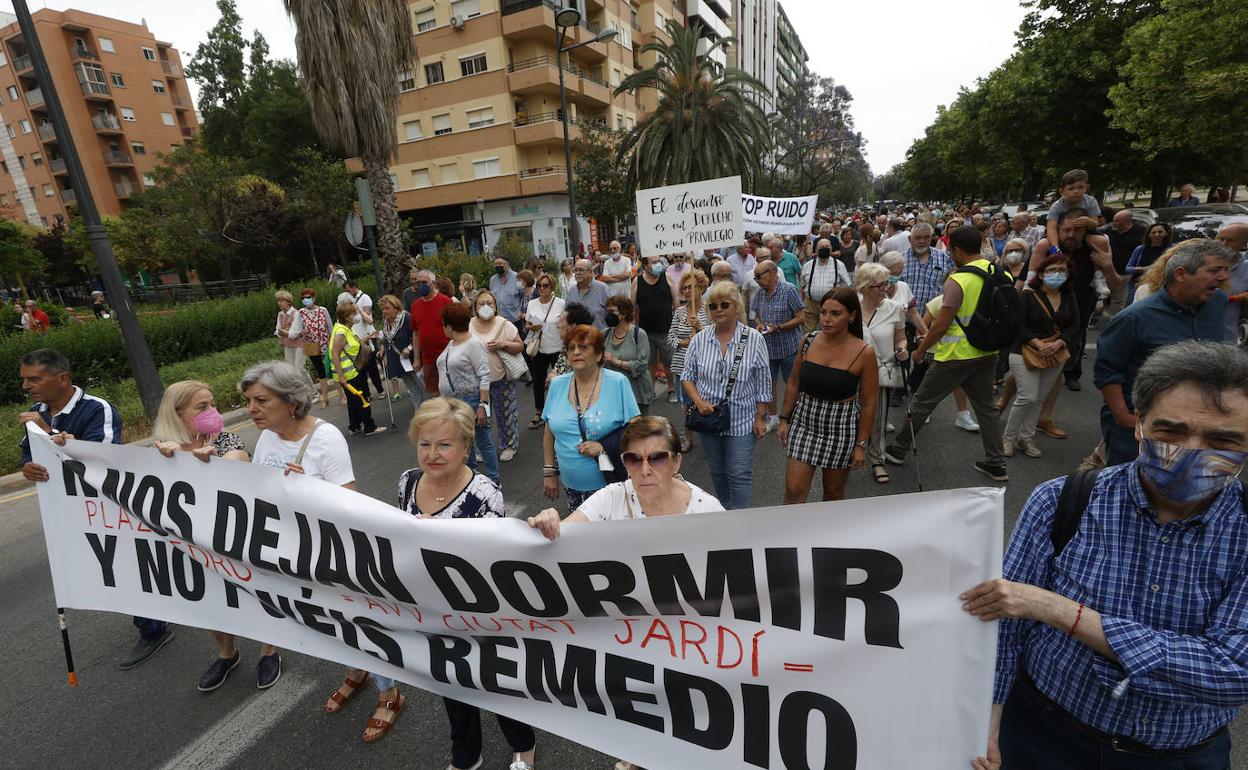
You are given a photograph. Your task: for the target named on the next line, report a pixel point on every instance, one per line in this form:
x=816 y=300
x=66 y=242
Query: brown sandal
x=396 y=707
x=338 y=699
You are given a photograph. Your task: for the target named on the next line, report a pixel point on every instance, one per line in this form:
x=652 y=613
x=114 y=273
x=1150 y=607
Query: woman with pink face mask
x=188 y=421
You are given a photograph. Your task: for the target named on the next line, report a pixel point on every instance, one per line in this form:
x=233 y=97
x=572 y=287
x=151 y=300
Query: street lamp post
x=139 y=356
x=565 y=18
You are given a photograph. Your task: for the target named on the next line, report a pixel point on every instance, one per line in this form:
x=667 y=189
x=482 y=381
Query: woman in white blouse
x=884 y=328
x=499 y=335
x=464 y=373
x=541 y=320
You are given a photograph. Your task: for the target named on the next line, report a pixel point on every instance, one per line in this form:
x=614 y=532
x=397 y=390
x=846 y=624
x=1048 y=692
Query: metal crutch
x=905 y=384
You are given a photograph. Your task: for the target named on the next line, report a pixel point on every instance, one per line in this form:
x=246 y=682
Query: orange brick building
x=125 y=99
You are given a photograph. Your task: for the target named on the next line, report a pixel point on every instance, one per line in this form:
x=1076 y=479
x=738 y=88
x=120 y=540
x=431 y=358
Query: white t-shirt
x=327 y=457
x=621 y=266
x=896 y=242
x=608 y=503
x=902 y=295
x=362 y=302
x=548 y=317
x=879 y=330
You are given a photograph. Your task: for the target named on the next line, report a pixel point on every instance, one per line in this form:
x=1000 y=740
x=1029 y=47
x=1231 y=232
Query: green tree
x=815 y=146
x=706 y=123
x=350 y=53
x=219 y=69
x=602 y=192
x=19 y=259
x=321 y=194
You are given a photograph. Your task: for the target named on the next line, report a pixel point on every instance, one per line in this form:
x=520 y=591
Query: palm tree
x=706 y=124
x=350 y=54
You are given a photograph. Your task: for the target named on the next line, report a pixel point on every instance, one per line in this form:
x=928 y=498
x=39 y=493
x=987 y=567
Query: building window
x=482 y=169
x=441 y=124
x=36 y=158
x=48 y=191
x=660 y=20
x=449 y=173
x=425 y=20
x=158 y=86
x=433 y=73
x=149 y=54
x=407 y=81
x=481 y=118
x=420 y=178
x=616 y=76
x=12 y=93
x=472 y=65
x=411 y=131
x=394 y=182
x=127 y=114
x=106 y=44
x=619 y=122
x=167 y=118
x=3 y=59
x=466 y=9
x=21 y=161
x=119 y=81
x=4 y=199
x=12 y=135
x=149 y=180
x=138 y=148
x=25 y=126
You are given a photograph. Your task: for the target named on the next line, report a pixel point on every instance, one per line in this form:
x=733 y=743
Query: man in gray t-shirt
x=589 y=292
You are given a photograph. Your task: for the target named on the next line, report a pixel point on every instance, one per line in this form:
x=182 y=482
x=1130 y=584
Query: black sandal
x=535 y=423
x=881 y=475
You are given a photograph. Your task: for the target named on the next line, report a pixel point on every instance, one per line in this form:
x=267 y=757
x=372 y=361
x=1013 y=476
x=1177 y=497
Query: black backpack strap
x=1076 y=492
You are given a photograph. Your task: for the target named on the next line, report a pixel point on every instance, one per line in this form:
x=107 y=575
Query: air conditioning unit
x=457 y=23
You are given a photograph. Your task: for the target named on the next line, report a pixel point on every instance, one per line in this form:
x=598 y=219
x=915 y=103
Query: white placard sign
x=685 y=218
x=782 y=216
x=826 y=635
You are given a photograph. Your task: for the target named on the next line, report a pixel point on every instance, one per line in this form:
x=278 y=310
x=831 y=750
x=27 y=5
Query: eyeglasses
x=545 y=285
x=758 y=274
x=882 y=285
x=656 y=460
x=719 y=306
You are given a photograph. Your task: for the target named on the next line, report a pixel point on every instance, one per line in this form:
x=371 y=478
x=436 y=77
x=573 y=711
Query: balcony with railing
x=106 y=123
x=117 y=158
x=82 y=52
x=124 y=189
x=34 y=97
x=93 y=90
x=543 y=128
x=68 y=196
x=47 y=132
x=182 y=102
x=57 y=165
x=544 y=180
x=186 y=132
x=170 y=68
x=22 y=63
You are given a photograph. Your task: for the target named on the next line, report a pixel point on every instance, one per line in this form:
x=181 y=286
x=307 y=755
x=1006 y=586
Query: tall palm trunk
x=389 y=238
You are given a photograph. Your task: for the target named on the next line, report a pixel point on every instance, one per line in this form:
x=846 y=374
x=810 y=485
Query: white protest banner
x=807 y=636
x=782 y=216
x=691 y=217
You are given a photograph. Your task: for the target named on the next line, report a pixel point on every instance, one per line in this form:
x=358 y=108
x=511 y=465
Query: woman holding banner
x=443 y=486
x=188 y=421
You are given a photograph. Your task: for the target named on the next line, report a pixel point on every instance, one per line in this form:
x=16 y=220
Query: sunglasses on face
x=719 y=306
x=656 y=460
x=759 y=274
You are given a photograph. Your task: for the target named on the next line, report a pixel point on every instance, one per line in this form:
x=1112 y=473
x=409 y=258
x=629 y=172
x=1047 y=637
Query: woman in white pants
x=1050 y=330
x=289 y=329
x=884 y=329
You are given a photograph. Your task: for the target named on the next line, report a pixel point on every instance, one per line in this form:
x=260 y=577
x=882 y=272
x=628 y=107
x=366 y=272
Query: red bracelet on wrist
x=1078 y=616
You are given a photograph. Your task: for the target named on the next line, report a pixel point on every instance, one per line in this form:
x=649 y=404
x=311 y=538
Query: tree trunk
x=390 y=245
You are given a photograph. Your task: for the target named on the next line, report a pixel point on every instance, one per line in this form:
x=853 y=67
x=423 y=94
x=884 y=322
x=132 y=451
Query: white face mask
x=485 y=312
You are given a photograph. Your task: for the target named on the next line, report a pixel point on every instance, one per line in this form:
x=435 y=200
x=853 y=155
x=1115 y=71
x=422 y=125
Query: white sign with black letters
x=690 y=217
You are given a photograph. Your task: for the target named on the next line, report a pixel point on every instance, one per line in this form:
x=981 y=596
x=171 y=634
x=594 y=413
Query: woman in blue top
x=585 y=412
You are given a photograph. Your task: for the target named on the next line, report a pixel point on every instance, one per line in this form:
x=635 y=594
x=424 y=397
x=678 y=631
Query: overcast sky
x=899 y=63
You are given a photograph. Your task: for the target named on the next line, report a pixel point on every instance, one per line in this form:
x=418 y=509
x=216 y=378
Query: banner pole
x=71 y=675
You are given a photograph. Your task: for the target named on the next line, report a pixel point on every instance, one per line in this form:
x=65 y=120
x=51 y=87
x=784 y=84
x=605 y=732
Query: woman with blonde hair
x=687 y=320
x=467 y=288
x=188 y=421
x=289 y=329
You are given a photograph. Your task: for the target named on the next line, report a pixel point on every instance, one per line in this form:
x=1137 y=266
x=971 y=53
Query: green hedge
x=11 y=316
x=221 y=371
x=98 y=355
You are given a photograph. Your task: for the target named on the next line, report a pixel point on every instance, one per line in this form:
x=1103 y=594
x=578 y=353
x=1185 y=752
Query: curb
x=15 y=482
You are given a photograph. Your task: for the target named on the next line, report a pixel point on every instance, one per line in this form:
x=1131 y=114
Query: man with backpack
x=1124 y=602
x=979 y=315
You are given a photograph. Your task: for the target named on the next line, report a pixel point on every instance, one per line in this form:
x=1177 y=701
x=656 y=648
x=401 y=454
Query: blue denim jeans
x=484 y=439
x=383 y=682
x=1120 y=444
x=731 y=461
x=150 y=629
x=1035 y=735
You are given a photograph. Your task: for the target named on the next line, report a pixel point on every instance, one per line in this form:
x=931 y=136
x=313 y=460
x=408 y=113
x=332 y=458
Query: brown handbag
x=1033 y=359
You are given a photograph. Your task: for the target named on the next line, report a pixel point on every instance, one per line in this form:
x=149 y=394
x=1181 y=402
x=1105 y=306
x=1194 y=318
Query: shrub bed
x=221 y=371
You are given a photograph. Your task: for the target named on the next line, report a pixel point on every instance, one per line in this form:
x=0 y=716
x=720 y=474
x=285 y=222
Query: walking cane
x=69 y=654
x=385 y=380
x=905 y=384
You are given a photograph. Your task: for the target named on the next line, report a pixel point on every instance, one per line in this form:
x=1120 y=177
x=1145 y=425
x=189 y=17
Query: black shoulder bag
x=717 y=422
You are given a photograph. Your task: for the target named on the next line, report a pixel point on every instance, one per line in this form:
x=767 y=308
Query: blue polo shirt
x=85 y=417
x=1142 y=327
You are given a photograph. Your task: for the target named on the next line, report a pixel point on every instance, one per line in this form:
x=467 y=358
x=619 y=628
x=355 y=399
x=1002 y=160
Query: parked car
x=1201 y=221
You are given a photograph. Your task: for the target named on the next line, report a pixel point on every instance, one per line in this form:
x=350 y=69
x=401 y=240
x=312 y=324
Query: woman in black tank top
x=834 y=388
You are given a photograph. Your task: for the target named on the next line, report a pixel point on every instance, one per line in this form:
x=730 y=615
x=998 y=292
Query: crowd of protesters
x=1134 y=642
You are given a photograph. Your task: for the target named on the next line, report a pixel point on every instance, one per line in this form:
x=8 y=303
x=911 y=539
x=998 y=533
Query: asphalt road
x=153 y=717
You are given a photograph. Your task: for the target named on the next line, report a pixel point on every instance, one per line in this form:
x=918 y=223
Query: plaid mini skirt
x=822 y=432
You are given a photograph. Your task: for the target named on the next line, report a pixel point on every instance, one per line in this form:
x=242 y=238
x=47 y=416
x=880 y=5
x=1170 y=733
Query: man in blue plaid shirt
x=777 y=309
x=1129 y=650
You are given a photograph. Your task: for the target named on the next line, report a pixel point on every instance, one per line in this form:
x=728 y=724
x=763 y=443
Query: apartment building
x=791 y=62
x=715 y=18
x=125 y=100
x=480 y=127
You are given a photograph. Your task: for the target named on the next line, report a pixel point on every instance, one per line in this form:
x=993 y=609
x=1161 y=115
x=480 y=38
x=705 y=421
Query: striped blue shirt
x=708 y=370
x=1173 y=600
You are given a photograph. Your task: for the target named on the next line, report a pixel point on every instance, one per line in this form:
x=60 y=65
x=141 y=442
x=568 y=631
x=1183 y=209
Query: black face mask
x=613 y=319
x=500 y=270
x=825 y=253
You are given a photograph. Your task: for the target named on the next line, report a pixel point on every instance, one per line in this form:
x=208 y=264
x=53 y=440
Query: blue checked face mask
x=1188 y=475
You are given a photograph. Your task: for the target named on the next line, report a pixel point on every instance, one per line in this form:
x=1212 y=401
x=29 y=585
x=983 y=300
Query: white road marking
x=220 y=745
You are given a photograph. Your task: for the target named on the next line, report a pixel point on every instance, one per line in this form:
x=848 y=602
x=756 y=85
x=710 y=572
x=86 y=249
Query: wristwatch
x=860 y=444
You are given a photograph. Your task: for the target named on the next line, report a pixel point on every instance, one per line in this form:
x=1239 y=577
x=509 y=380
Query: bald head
x=1234 y=236
x=1021 y=221
x=1123 y=221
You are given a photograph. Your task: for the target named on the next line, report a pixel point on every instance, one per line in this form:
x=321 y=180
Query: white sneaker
x=773 y=422
x=1029 y=447
x=671 y=396
x=889 y=428
x=1007 y=447
x=507 y=454
x=966 y=422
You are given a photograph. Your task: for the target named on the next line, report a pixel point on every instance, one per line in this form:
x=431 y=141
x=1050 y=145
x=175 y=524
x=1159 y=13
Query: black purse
x=717 y=422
